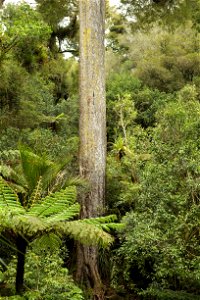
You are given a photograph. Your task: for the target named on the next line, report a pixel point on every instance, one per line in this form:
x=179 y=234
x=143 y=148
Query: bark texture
x=1 y=3
x=92 y=129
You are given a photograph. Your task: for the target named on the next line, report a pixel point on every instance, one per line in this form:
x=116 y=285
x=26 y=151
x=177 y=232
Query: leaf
x=86 y=233
x=54 y=203
x=9 y=200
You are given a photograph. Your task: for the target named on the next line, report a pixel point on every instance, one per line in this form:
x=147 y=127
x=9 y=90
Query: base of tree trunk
x=87 y=270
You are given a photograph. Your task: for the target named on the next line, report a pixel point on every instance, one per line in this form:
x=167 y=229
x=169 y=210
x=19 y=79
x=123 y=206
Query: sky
x=112 y=2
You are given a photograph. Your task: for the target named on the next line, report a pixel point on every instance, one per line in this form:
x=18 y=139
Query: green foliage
x=47 y=215
x=45 y=277
x=162 y=59
x=53 y=12
x=22 y=25
x=43 y=218
x=160 y=248
x=153 y=148
x=38 y=92
x=167 y=12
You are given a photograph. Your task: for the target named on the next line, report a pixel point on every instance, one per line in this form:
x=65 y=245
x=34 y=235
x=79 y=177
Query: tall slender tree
x=1 y=3
x=92 y=129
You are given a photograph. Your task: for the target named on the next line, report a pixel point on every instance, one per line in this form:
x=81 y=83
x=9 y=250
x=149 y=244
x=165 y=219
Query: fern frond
x=104 y=219
x=29 y=226
x=12 y=176
x=86 y=233
x=36 y=194
x=106 y=223
x=5 y=218
x=9 y=200
x=33 y=166
x=66 y=215
x=54 y=203
x=6 y=171
x=9 y=155
x=50 y=241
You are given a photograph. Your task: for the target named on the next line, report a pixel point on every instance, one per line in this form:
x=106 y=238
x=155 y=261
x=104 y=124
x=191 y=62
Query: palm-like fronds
x=50 y=241
x=45 y=218
x=36 y=194
x=54 y=203
x=86 y=233
x=9 y=200
x=66 y=215
x=52 y=214
x=33 y=167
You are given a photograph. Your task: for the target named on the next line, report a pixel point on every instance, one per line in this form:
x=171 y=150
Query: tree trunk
x=1 y=3
x=92 y=129
x=21 y=247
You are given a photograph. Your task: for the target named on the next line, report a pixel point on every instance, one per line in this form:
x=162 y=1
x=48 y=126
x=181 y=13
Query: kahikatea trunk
x=21 y=247
x=92 y=129
x=1 y=3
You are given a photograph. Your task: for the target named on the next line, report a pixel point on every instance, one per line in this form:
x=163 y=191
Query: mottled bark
x=1 y=3
x=92 y=129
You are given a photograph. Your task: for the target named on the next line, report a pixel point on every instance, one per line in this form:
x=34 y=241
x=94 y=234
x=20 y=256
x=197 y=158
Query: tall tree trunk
x=92 y=129
x=21 y=247
x=1 y=3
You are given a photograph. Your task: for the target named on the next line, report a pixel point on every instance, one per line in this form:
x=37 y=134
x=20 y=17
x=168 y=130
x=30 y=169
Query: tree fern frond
x=86 y=233
x=9 y=200
x=54 y=203
x=5 y=218
x=29 y=226
x=39 y=166
x=36 y=194
x=104 y=219
x=10 y=155
x=66 y=215
x=106 y=223
x=50 y=241
x=6 y=171
x=12 y=176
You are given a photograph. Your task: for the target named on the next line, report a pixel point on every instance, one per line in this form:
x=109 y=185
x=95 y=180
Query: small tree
x=44 y=215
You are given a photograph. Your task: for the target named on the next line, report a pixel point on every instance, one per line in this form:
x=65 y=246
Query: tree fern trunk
x=21 y=247
x=92 y=129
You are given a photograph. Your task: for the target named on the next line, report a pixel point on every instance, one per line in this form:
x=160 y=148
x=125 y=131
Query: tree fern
x=9 y=200
x=36 y=194
x=86 y=233
x=66 y=215
x=46 y=217
x=54 y=203
x=39 y=166
x=50 y=241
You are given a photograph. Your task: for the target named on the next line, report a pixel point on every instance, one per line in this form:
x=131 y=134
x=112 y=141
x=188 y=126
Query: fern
x=47 y=217
x=106 y=223
x=54 y=203
x=9 y=200
x=53 y=214
x=65 y=215
x=49 y=241
x=86 y=233
x=36 y=194
x=39 y=166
